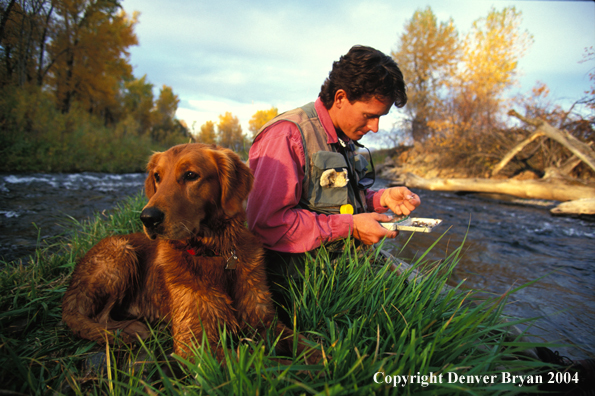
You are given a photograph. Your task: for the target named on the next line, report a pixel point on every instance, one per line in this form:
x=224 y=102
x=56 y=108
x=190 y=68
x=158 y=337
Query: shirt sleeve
x=277 y=161
x=373 y=201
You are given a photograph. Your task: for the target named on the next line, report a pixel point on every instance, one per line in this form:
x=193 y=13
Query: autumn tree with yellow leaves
x=89 y=54
x=207 y=134
x=490 y=58
x=260 y=118
x=230 y=133
x=456 y=85
x=428 y=55
x=458 y=104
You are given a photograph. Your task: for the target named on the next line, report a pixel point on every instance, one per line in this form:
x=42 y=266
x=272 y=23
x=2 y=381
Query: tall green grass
x=365 y=318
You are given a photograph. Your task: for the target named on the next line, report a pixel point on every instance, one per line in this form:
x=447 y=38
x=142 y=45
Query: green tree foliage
x=138 y=103
x=427 y=54
x=163 y=116
x=260 y=118
x=37 y=136
x=207 y=134
x=230 y=133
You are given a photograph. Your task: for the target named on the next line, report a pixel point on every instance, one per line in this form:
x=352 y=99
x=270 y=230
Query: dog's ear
x=150 y=186
x=235 y=179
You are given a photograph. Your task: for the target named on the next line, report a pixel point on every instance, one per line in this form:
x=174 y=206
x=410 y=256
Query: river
x=507 y=244
x=36 y=207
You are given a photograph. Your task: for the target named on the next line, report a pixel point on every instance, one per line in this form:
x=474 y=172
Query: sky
x=242 y=56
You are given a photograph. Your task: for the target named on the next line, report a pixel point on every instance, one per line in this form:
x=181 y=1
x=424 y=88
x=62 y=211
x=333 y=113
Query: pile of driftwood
x=577 y=198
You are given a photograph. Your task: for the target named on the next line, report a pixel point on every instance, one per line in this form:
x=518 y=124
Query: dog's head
x=191 y=187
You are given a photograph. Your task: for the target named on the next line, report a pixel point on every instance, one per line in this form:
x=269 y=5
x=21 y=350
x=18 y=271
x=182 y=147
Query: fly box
x=406 y=223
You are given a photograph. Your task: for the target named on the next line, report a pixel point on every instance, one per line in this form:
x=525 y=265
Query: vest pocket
x=328 y=198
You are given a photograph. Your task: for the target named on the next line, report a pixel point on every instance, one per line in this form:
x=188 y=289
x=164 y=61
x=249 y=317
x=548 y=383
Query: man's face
x=357 y=118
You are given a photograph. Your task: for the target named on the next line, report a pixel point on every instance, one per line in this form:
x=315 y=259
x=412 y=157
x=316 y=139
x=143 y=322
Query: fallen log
x=571 y=163
x=585 y=206
x=556 y=190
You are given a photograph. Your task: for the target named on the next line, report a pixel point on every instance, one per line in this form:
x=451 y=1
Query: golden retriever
x=196 y=266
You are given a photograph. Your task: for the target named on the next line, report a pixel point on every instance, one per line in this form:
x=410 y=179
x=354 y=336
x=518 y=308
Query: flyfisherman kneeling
x=311 y=187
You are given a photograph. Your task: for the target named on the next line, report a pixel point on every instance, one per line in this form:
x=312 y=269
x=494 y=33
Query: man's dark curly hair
x=364 y=73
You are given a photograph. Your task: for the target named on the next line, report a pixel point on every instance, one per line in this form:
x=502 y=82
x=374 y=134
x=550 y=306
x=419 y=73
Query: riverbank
x=419 y=161
x=365 y=318
x=511 y=242
x=415 y=168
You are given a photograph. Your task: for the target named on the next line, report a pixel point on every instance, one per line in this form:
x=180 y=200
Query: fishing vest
x=324 y=188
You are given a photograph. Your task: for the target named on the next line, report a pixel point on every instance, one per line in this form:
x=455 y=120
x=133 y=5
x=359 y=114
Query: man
x=294 y=208
x=290 y=207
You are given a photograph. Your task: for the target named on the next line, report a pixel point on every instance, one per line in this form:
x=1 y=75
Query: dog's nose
x=151 y=217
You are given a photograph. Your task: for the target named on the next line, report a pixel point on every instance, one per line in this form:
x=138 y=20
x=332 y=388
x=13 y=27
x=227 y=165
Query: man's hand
x=368 y=229
x=400 y=200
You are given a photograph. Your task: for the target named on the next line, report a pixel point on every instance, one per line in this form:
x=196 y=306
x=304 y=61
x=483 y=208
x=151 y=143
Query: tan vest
x=320 y=157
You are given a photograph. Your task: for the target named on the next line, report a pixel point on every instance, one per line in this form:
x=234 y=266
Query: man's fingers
x=367 y=227
x=383 y=218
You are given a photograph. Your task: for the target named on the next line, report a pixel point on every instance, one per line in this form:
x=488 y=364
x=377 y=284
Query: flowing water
x=507 y=244
x=34 y=207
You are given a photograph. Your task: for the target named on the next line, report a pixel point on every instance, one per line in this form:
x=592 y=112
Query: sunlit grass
x=365 y=318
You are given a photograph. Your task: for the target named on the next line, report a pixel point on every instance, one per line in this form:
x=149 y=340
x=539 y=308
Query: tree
x=90 y=54
x=6 y=8
x=427 y=55
x=492 y=50
x=163 y=116
x=25 y=28
x=260 y=118
x=75 y=53
x=456 y=86
x=230 y=132
x=207 y=134
x=138 y=103
x=166 y=105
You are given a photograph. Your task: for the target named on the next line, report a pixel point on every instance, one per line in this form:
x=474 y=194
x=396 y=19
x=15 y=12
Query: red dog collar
x=231 y=262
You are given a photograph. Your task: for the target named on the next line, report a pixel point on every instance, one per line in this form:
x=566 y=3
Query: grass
x=366 y=319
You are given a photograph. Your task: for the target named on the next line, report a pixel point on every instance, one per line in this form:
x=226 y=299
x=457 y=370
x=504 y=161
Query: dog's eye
x=190 y=176
x=157 y=177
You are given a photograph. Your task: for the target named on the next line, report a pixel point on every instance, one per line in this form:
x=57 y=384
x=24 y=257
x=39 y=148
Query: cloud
x=209 y=109
x=247 y=56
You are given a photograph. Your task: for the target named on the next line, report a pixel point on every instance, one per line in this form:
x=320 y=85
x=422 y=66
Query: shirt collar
x=325 y=120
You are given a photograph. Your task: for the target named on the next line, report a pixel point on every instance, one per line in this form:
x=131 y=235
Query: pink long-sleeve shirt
x=277 y=160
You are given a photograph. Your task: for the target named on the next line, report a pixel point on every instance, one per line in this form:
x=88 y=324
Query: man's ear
x=150 y=186
x=340 y=98
x=235 y=179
